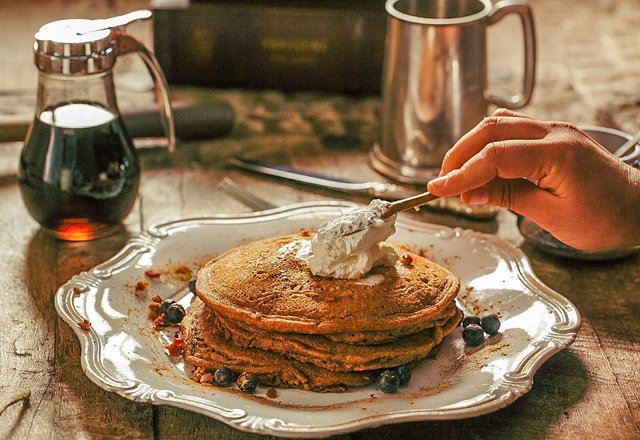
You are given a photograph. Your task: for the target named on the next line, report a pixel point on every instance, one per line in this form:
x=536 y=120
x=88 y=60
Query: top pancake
x=268 y=285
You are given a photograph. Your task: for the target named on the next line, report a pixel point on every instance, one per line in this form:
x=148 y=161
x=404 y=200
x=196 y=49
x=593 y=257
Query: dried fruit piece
x=183 y=272
x=152 y=274
x=141 y=286
x=198 y=373
x=175 y=348
x=154 y=311
x=406 y=260
x=158 y=323
x=206 y=378
x=247 y=383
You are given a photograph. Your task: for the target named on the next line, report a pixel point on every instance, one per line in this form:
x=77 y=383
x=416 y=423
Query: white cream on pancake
x=338 y=252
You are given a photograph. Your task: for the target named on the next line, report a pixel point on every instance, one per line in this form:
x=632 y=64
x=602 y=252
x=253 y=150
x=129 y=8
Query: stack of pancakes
x=260 y=310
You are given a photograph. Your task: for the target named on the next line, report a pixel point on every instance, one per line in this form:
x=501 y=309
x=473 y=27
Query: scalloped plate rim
x=256 y=424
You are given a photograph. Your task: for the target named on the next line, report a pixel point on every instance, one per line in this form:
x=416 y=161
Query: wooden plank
x=81 y=407
x=38 y=353
x=27 y=331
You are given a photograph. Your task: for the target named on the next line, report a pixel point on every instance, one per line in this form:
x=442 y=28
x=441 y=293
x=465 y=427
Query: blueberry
x=223 y=376
x=404 y=373
x=175 y=313
x=192 y=285
x=247 y=383
x=164 y=305
x=490 y=324
x=471 y=319
x=388 y=381
x=473 y=335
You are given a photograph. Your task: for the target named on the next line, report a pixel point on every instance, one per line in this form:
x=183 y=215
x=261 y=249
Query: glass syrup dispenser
x=79 y=172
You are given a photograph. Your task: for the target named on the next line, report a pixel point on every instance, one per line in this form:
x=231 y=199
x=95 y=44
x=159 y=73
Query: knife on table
x=371 y=189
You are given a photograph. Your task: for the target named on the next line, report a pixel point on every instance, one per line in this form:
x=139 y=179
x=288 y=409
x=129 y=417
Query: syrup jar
x=79 y=172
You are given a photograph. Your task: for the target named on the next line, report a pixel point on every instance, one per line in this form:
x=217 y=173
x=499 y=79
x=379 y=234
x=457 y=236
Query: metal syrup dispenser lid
x=79 y=46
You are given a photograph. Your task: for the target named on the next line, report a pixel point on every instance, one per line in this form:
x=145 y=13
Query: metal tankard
x=435 y=80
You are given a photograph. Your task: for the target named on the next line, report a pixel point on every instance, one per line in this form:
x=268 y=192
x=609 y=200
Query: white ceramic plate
x=122 y=354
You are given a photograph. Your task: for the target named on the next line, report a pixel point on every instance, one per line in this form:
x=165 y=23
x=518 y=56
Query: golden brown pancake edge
x=257 y=286
x=206 y=347
x=336 y=356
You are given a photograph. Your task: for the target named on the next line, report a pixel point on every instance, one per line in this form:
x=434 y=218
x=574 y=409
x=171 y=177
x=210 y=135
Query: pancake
x=206 y=347
x=268 y=285
x=335 y=356
x=385 y=336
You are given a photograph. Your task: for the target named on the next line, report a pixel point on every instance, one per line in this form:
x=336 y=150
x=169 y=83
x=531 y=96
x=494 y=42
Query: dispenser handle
x=523 y=10
x=128 y=44
x=114 y=22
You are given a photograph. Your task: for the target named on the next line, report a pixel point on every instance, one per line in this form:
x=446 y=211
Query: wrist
x=633 y=216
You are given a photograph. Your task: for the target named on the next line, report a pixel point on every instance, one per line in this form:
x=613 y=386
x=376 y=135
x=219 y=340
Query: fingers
x=510 y=113
x=491 y=129
x=507 y=159
x=518 y=195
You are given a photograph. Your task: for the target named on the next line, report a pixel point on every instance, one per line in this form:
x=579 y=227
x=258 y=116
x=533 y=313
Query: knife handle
x=200 y=121
x=410 y=202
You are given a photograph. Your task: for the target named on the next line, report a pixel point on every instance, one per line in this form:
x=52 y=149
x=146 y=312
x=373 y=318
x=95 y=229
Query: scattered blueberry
x=192 y=285
x=247 y=382
x=471 y=319
x=164 y=305
x=473 y=335
x=175 y=313
x=223 y=376
x=404 y=373
x=490 y=324
x=388 y=381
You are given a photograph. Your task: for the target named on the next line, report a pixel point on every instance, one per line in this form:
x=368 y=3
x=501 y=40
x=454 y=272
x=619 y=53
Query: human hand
x=584 y=196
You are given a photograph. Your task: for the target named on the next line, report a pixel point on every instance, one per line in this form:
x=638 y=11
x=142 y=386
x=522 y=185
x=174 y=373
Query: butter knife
x=371 y=189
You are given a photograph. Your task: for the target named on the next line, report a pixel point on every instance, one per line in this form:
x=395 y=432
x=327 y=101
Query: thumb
x=518 y=195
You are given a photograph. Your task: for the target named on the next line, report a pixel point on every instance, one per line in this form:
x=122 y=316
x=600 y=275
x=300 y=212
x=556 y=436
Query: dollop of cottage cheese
x=337 y=252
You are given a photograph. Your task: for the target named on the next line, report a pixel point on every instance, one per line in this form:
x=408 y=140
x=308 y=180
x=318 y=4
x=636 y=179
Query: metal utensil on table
x=435 y=80
x=626 y=148
x=387 y=191
x=243 y=196
x=247 y=198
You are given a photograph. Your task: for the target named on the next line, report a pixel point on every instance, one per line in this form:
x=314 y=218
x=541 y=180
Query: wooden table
x=590 y=390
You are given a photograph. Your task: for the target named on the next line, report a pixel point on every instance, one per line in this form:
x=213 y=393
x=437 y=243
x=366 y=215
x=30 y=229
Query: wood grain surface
x=589 y=72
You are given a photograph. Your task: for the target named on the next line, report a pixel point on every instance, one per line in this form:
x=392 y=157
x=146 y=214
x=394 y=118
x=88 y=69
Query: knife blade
x=370 y=189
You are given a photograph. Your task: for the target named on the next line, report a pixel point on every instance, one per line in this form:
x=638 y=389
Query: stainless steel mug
x=435 y=80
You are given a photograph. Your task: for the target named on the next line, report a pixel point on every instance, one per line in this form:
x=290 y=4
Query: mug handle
x=127 y=44
x=523 y=10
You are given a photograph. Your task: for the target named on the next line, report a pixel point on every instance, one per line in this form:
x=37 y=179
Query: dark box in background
x=289 y=45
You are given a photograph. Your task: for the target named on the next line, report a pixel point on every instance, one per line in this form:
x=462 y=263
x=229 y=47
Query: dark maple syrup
x=79 y=173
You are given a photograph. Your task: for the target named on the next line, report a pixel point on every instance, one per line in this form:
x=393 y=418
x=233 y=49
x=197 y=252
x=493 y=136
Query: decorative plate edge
x=515 y=383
